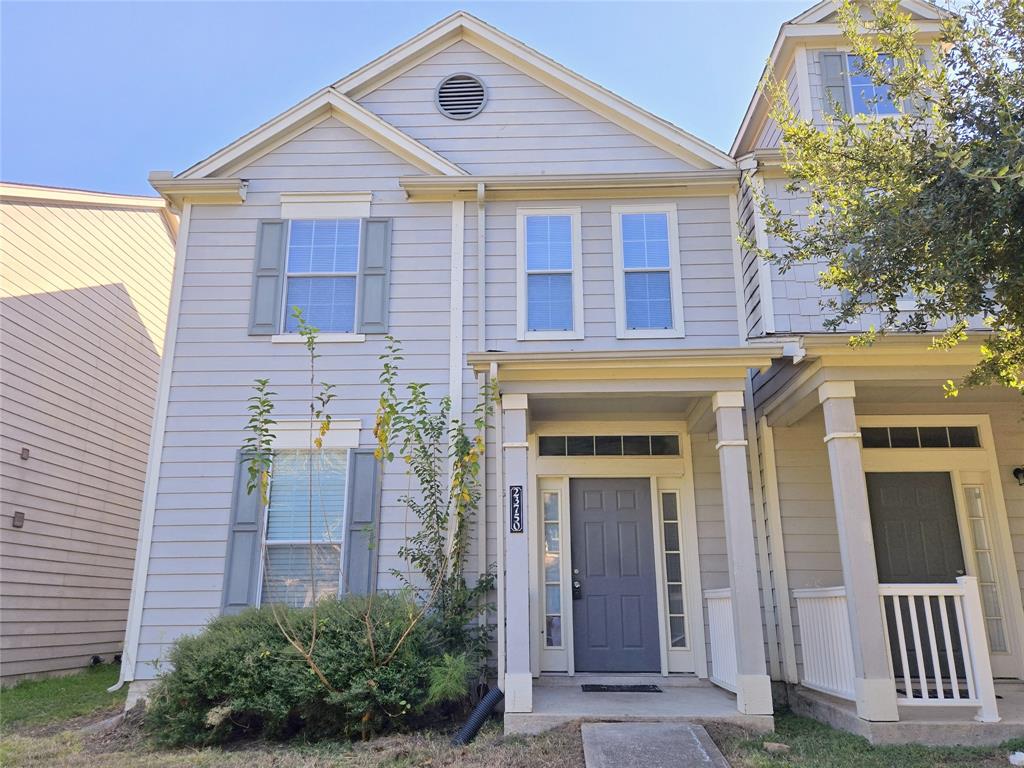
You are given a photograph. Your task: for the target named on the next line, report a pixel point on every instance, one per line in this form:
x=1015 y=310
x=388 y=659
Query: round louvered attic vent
x=460 y=96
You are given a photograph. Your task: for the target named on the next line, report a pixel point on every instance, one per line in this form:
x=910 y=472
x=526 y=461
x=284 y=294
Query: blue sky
x=96 y=95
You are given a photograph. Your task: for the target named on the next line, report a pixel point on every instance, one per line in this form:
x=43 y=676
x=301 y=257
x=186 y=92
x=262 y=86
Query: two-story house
x=510 y=221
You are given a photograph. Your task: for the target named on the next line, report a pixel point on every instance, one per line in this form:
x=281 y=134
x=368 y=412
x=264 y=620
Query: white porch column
x=753 y=686
x=875 y=691
x=518 y=683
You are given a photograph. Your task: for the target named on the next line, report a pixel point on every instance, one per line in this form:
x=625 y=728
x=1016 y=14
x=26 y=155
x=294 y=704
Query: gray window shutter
x=268 y=278
x=374 y=276
x=833 y=80
x=362 y=525
x=245 y=544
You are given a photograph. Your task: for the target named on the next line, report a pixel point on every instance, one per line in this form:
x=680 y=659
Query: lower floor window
x=304 y=527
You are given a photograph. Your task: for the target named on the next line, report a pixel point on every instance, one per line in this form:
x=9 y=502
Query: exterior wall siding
x=216 y=361
x=526 y=127
x=810 y=536
x=84 y=290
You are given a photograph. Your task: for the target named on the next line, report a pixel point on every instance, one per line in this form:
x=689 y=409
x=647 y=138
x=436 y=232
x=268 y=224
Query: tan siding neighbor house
x=85 y=281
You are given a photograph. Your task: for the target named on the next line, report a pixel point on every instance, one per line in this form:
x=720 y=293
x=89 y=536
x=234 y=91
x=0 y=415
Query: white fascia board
x=463 y=26
x=323 y=103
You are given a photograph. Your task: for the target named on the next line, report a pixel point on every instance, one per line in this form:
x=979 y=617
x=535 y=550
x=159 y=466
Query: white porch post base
x=876 y=699
x=518 y=692
x=754 y=694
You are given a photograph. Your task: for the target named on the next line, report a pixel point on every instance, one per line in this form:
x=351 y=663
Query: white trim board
x=147 y=514
x=522 y=331
x=674 y=268
x=325 y=103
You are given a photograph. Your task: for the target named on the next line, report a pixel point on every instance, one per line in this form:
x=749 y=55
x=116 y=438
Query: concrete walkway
x=649 y=745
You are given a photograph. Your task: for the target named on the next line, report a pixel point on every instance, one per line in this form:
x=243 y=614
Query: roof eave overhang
x=691 y=364
x=571 y=186
x=178 y=192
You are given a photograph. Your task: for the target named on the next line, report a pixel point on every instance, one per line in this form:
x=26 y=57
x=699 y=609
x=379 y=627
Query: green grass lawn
x=53 y=699
x=814 y=745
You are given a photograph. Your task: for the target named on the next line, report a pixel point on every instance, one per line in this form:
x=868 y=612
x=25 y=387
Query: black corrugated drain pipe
x=478 y=717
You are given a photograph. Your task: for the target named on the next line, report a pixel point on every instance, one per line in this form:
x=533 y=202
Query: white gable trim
x=463 y=26
x=824 y=9
x=324 y=103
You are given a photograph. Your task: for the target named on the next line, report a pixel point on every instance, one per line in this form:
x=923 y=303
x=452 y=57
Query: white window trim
x=285 y=337
x=292 y=435
x=860 y=117
x=321 y=338
x=522 y=334
x=675 y=281
x=331 y=205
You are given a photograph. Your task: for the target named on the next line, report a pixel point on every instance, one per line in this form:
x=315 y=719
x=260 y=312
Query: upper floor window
x=847 y=85
x=645 y=245
x=550 y=274
x=869 y=97
x=322 y=269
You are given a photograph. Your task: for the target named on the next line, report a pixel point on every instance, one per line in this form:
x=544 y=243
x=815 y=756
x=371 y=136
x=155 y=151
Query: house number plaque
x=515 y=509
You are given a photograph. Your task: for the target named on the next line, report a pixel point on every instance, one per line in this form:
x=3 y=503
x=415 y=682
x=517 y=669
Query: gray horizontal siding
x=216 y=362
x=525 y=126
x=706 y=277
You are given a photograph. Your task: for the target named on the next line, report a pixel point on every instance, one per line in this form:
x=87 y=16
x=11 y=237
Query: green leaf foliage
x=928 y=202
x=242 y=677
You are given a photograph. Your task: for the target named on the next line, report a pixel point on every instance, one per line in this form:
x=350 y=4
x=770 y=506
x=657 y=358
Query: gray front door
x=917 y=541
x=615 y=606
x=913 y=520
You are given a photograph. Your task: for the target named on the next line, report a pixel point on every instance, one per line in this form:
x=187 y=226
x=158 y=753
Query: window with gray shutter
x=268 y=278
x=374 y=276
x=245 y=539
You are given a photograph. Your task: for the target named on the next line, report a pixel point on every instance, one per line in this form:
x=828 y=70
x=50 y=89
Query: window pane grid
x=674 y=587
x=321 y=273
x=647 y=280
x=991 y=605
x=552 y=570
x=549 y=273
x=869 y=98
x=920 y=437
x=609 y=445
x=304 y=519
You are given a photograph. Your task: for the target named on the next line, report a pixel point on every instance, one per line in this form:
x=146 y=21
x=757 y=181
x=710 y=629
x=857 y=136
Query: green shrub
x=241 y=676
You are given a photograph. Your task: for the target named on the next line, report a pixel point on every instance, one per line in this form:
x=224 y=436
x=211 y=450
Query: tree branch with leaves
x=927 y=202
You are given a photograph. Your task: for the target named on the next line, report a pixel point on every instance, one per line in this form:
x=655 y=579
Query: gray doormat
x=592 y=688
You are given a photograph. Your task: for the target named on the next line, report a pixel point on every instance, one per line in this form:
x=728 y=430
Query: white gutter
x=156 y=444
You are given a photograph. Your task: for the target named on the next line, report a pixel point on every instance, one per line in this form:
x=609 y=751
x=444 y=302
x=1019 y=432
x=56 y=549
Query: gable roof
x=612 y=107
x=327 y=102
x=815 y=27
x=821 y=11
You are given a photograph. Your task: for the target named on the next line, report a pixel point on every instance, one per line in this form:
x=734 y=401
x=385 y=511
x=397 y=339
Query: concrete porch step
x=700 y=702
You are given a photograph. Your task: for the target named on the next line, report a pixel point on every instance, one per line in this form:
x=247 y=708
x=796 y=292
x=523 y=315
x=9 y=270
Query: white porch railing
x=938 y=650
x=722 y=635
x=825 y=639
